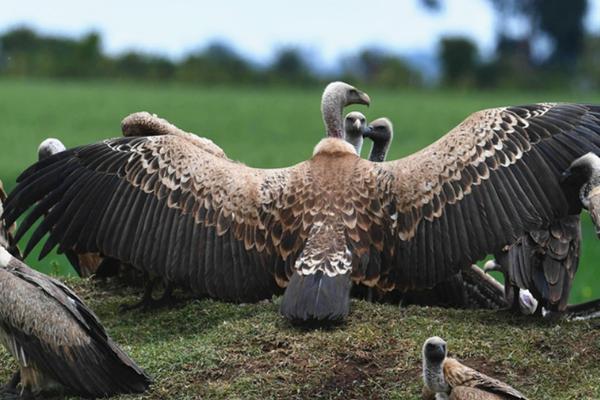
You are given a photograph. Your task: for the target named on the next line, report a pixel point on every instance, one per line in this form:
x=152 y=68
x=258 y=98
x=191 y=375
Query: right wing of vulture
x=480 y=187
x=51 y=328
x=165 y=204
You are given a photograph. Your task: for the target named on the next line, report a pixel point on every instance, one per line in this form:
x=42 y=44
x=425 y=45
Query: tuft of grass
x=204 y=349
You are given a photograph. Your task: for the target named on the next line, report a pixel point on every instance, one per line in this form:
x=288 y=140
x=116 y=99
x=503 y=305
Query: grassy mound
x=203 y=349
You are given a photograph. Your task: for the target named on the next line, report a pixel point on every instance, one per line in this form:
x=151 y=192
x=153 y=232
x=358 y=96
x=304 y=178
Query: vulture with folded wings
x=171 y=206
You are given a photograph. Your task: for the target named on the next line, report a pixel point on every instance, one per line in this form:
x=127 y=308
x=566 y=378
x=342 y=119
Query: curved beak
x=368 y=132
x=357 y=124
x=364 y=99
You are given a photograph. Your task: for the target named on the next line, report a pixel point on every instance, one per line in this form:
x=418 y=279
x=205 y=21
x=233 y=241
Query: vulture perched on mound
x=447 y=378
x=169 y=205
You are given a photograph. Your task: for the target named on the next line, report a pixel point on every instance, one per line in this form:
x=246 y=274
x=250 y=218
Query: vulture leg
x=148 y=302
x=107 y=268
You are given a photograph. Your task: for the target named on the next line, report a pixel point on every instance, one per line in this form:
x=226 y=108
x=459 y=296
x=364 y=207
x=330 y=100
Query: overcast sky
x=255 y=28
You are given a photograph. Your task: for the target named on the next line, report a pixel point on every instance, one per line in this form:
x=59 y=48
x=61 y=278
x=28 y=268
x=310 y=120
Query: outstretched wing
x=165 y=205
x=491 y=179
x=458 y=375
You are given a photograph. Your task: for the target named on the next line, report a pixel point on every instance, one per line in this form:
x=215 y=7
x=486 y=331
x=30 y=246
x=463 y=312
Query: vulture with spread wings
x=172 y=206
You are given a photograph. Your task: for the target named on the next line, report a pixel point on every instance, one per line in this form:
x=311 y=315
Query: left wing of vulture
x=167 y=205
x=480 y=187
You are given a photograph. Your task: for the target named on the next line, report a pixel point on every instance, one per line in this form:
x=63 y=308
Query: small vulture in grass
x=583 y=176
x=446 y=378
x=168 y=205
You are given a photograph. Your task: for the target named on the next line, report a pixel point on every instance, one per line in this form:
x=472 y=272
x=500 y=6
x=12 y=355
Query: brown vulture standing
x=170 y=206
x=447 y=378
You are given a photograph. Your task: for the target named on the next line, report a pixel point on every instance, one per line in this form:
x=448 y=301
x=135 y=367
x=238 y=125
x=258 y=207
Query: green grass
x=204 y=349
x=261 y=127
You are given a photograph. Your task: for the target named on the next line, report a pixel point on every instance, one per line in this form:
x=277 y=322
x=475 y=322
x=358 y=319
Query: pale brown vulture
x=171 y=207
x=446 y=378
x=59 y=344
x=355 y=127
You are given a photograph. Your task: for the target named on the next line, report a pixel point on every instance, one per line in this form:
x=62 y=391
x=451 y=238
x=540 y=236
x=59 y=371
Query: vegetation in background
x=552 y=50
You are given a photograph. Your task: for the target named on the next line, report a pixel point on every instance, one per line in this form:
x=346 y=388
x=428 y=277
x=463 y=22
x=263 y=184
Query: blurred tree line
x=551 y=49
x=24 y=53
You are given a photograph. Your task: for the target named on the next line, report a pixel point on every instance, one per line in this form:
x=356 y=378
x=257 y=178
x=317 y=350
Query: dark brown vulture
x=446 y=378
x=169 y=206
x=57 y=341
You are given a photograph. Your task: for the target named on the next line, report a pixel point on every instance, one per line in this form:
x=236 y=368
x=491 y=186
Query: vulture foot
x=148 y=303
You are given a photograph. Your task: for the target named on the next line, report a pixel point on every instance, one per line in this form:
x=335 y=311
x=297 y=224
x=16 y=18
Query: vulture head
x=381 y=132
x=434 y=350
x=583 y=171
x=336 y=96
x=49 y=147
x=355 y=127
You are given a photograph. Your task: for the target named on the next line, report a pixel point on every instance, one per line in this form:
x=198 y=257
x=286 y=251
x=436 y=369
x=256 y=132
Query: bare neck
x=379 y=151
x=331 y=108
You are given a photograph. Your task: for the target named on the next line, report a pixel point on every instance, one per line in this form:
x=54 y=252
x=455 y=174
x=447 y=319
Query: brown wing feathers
x=523 y=150
x=144 y=216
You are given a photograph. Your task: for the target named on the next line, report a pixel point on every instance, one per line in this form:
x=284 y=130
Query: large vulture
x=169 y=205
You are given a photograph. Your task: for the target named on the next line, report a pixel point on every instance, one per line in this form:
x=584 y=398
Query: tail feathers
x=317 y=297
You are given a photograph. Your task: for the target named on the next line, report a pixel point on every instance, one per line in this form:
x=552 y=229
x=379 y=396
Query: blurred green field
x=260 y=127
